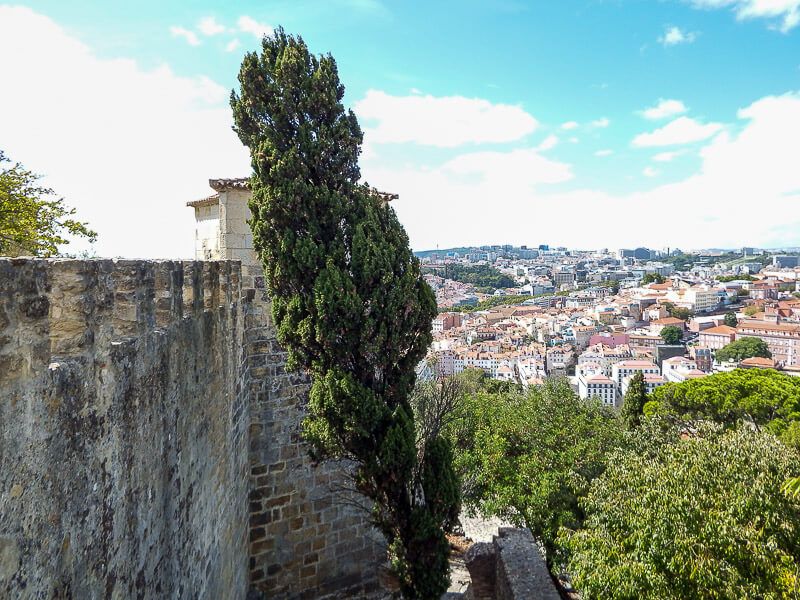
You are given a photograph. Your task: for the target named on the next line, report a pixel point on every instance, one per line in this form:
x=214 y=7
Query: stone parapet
x=123 y=430
x=510 y=567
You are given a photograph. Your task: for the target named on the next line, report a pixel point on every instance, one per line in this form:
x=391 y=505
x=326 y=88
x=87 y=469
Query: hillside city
x=598 y=317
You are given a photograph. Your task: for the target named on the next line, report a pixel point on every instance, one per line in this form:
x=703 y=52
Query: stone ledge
x=511 y=567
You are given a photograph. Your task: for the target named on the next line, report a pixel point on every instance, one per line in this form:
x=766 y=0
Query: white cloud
x=650 y=172
x=751 y=169
x=786 y=12
x=526 y=167
x=675 y=35
x=605 y=152
x=232 y=45
x=682 y=130
x=551 y=141
x=250 y=25
x=570 y=125
x=667 y=156
x=573 y=140
x=190 y=36
x=210 y=26
x=126 y=146
x=601 y=123
x=445 y=122
x=663 y=109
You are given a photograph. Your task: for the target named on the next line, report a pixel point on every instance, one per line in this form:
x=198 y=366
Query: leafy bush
x=528 y=457
x=702 y=517
x=747 y=347
x=761 y=397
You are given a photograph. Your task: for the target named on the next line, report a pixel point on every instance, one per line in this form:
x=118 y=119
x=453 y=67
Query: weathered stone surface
x=511 y=567
x=123 y=447
x=521 y=570
x=315 y=541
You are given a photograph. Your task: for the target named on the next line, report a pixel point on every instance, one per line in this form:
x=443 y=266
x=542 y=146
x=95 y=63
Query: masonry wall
x=123 y=430
x=309 y=535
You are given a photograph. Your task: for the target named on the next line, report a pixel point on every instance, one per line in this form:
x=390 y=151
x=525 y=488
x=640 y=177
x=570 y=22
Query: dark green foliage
x=742 y=277
x=529 y=456
x=730 y=319
x=634 y=401
x=31 y=221
x=347 y=297
x=762 y=397
x=652 y=278
x=495 y=301
x=481 y=276
x=612 y=284
x=678 y=312
x=747 y=347
x=702 y=517
x=671 y=335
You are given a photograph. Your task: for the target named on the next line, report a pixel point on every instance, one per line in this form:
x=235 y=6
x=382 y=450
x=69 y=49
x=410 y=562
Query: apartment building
x=651 y=382
x=593 y=384
x=783 y=340
x=626 y=368
x=716 y=338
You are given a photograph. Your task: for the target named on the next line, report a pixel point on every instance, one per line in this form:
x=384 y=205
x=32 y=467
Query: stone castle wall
x=123 y=430
x=150 y=441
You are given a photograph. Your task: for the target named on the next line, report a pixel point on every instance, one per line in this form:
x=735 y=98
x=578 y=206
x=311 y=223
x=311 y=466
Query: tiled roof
x=719 y=330
x=207 y=201
x=757 y=361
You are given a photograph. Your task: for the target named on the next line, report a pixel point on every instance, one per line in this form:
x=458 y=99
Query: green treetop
x=652 y=278
x=671 y=335
x=347 y=297
x=528 y=457
x=759 y=397
x=702 y=517
x=747 y=347
x=730 y=319
x=31 y=221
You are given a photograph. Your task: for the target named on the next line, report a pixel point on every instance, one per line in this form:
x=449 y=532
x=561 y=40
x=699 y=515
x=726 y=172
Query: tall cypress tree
x=348 y=300
x=634 y=401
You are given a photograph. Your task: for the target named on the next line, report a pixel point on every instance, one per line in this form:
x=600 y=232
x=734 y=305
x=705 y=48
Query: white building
x=626 y=368
x=651 y=382
x=593 y=384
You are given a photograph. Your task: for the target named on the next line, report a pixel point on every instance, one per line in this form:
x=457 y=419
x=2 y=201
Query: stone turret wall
x=123 y=430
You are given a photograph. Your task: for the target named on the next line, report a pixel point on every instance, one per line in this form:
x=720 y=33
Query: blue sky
x=495 y=120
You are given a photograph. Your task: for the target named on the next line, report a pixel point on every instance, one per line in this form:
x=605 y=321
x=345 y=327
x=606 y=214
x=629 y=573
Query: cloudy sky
x=586 y=123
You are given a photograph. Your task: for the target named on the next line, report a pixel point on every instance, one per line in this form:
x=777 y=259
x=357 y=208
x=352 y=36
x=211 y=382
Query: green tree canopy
x=762 y=397
x=347 y=297
x=730 y=319
x=32 y=222
x=652 y=278
x=751 y=310
x=747 y=347
x=528 y=457
x=481 y=276
x=678 y=312
x=671 y=335
x=702 y=517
